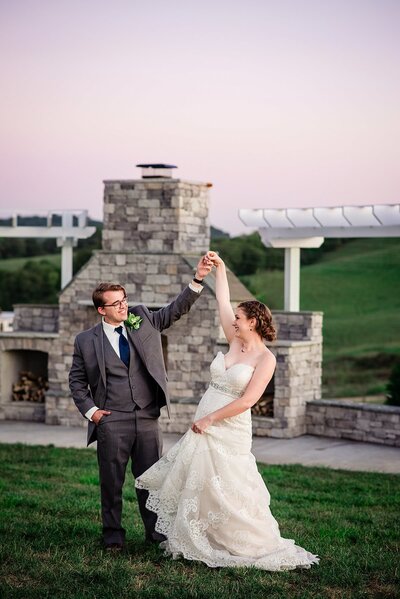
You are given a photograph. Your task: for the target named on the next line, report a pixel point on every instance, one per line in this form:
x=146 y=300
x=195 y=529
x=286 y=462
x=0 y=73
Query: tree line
x=38 y=281
x=246 y=254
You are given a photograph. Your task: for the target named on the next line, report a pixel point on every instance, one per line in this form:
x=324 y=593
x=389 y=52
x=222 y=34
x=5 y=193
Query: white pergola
x=296 y=228
x=73 y=227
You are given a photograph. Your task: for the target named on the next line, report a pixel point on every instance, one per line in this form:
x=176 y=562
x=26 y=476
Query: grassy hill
x=358 y=288
x=13 y=264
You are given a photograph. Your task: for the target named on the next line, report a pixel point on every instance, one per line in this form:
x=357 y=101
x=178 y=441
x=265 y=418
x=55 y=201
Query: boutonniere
x=133 y=321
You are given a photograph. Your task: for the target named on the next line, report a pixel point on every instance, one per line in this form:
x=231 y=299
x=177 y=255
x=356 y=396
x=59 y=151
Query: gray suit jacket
x=87 y=377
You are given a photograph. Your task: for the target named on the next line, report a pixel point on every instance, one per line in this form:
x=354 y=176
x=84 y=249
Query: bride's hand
x=201 y=425
x=215 y=259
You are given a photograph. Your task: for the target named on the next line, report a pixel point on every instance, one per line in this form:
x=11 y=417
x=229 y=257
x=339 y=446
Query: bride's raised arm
x=226 y=314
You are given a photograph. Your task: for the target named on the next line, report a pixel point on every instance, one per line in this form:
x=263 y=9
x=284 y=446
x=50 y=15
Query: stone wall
x=36 y=317
x=361 y=422
x=299 y=326
x=297 y=380
x=298 y=351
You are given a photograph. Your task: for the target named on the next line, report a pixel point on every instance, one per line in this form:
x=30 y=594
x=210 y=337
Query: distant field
x=10 y=264
x=357 y=287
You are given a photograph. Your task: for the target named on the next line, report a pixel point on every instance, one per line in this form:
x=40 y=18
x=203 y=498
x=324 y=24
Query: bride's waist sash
x=226 y=389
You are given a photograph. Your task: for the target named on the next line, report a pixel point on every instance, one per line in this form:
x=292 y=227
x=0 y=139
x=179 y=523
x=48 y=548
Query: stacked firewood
x=30 y=387
x=264 y=406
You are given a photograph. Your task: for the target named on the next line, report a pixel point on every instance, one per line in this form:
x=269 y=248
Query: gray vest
x=127 y=390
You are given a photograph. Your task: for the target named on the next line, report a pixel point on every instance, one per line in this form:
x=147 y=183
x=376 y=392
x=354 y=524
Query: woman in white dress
x=211 y=501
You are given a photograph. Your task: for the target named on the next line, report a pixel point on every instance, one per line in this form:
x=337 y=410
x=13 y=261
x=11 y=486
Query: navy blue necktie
x=124 y=351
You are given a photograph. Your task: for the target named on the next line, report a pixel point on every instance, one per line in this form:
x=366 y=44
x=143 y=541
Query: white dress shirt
x=113 y=335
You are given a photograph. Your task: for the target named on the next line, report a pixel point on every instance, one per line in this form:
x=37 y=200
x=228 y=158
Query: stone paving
x=307 y=450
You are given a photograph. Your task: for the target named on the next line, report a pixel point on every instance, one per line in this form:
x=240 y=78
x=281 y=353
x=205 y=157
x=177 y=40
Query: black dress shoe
x=155 y=537
x=114 y=547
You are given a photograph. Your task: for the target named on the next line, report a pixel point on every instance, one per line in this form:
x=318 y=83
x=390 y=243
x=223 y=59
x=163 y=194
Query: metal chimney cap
x=157 y=170
x=157 y=165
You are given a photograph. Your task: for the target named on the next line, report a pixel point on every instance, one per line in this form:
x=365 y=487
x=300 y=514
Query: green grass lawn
x=12 y=264
x=357 y=287
x=50 y=543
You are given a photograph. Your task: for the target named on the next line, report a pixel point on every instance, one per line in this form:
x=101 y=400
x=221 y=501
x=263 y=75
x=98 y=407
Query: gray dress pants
x=136 y=436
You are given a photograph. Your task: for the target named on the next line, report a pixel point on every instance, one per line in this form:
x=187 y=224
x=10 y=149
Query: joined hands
x=206 y=263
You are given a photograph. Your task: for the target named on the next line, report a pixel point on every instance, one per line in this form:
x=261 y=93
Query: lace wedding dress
x=211 y=501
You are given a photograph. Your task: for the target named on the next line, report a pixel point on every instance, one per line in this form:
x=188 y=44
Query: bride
x=211 y=502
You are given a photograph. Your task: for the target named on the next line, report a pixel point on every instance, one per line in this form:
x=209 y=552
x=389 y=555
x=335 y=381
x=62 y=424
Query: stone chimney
x=156 y=214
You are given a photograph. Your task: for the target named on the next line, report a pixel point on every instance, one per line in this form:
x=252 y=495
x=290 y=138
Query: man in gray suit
x=118 y=382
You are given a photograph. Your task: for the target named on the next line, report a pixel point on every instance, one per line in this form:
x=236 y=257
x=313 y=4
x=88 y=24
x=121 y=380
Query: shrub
x=393 y=387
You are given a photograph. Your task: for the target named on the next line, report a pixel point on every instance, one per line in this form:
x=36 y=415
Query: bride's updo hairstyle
x=263 y=317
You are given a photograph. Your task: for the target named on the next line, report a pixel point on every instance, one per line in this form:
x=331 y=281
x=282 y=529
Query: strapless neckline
x=233 y=365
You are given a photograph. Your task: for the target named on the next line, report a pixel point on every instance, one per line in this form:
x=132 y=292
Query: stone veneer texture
x=374 y=423
x=36 y=317
x=158 y=216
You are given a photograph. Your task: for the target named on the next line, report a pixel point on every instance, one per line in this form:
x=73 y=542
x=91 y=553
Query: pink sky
x=277 y=103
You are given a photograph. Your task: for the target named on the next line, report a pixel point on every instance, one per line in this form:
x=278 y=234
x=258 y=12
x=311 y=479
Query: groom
x=118 y=382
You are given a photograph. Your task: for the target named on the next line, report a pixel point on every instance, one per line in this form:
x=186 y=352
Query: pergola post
x=66 y=261
x=66 y=244
x=292 y=279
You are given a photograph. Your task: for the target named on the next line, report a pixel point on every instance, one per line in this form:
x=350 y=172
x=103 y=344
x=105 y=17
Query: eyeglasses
x=117 y=304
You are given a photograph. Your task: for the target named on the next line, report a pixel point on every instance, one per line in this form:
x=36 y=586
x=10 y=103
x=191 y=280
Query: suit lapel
x=137 y=344
x=99 y=349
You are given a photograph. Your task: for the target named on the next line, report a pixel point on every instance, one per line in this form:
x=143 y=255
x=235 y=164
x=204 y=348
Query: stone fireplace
x=20 y=352
x=155 y=230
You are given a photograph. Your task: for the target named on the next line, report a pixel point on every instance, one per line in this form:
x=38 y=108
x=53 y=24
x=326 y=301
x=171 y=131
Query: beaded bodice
x=232 y=380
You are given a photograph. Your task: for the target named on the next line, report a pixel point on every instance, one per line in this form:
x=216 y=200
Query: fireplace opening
x=30 y=387
x=265 y=405
x=24 y=376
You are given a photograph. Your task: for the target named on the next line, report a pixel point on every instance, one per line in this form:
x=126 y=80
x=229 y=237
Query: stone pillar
x=36 y=317
x=298 y=352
